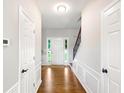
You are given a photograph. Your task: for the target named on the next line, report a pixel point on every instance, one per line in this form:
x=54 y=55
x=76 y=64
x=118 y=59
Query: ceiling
x=53 y=20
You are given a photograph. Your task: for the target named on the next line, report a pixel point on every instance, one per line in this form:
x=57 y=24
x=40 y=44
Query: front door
x=57 y=51
x=111 y=49
x=26 y=53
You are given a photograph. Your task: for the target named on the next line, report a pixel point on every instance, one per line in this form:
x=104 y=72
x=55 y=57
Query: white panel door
x=26 y=53
x=111 y=49
x=57 y=51
x=54 y=51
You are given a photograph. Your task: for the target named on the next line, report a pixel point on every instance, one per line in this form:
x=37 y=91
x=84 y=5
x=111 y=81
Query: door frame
x=47 y=47
x=21 y=9
x=102 y=29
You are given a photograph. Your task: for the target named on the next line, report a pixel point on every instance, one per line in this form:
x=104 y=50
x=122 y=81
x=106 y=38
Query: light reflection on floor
x=59 y=79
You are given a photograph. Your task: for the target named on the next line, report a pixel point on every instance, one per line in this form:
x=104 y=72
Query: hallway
x=59 y=79
x=62 y=46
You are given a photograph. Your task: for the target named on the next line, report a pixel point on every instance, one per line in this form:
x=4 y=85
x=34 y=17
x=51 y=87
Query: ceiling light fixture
x=62 y=8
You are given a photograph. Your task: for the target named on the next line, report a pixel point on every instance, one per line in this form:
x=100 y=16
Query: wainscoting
x=88 y=78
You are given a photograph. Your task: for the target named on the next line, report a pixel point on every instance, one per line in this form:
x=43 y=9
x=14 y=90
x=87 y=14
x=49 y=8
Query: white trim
x=101 y=33
x=55 y=64
x=91 y=69
x=82 y=84
x=38 y=85
x=45 y=64
x=94 y=77
x=110 y=5
x=82 y=78
x=94 y=74
x=38 y=67
x=14 y=87
x=19 y=53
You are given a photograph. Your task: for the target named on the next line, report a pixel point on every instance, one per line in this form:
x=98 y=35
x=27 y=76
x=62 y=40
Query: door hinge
x=34 y=84
x=34 y=31
x=33 y=57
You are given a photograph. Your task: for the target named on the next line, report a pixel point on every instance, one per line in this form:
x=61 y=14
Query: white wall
x=70 y=33
x=11 y=31
x=10 y=54
x=87 y=65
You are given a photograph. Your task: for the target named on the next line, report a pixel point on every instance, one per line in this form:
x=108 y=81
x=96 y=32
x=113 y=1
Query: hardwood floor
x=59 y=79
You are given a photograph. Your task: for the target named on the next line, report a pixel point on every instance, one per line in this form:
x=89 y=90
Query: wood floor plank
x=59 y=79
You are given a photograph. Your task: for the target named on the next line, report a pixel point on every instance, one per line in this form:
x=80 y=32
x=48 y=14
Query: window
x=49 y=54
x=49 y=44
x=66 y=51
x=65 y=44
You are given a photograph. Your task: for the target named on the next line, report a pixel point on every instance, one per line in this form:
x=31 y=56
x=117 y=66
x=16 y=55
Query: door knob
x=104 y=70
x=23 y=70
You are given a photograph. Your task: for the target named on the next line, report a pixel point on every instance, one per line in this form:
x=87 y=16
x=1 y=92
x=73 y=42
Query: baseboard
x=54 y=64
x=82 y=84
x=13 y=89
x=45 y=64
x=38 y=85
x=38 y=80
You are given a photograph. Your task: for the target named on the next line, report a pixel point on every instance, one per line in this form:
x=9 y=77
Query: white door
x=57 y=49
x=111 y=49
x=26 y=53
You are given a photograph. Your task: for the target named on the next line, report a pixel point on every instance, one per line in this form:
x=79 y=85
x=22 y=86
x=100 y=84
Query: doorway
x=57 y=51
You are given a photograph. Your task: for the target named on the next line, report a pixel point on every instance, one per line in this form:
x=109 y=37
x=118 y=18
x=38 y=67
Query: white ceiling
x=54 y=20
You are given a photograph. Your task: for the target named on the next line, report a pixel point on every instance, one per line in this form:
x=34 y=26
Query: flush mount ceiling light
x=62 y=8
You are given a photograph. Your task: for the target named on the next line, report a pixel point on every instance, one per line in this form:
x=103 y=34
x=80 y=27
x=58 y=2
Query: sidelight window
x=66 y=51
x=49 y=54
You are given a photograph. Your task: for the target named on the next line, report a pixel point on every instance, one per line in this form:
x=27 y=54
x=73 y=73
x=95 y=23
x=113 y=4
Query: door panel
x=54 y=51
x=113 y=87
x=26 y=53
x=114 y=50
x=60 y=52
x=111 y=49
x=57 y=49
